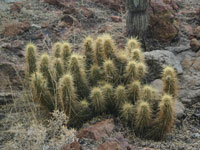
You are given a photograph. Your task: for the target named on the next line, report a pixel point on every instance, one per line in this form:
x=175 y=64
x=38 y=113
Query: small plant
x=57 y=49
x=143 y=118
x=104 y=80
x=170 y=81
x=30 y=56
x=97 y=100
x=165 y=118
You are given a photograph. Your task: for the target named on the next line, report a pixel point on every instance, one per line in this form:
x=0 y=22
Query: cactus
x=99 y=52
x=132 y=44
x=65 y=54
x=143 y=118
x=40 y=92
x=95 y=74
x=68 y=97
x=128 y=113
x=130 y=72
x=110 y=71
x=141 y=70
x=109 y=47
x=97 y=100
x=120 y=96
x=44 y=68
x=57 y=68
x=30 y=56
x=165 y=118
x=88 y=51
x=169 y=81
x=134 y=91
x=57 y=49
x=103 y=80
x=78 y=72
x=108 y=93
x=137 y=55
x=148 y=93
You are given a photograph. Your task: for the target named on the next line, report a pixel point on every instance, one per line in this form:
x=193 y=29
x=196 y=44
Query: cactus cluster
x=102 y=80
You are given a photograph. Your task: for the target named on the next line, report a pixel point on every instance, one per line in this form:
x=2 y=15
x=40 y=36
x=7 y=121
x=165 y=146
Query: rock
x=157 y=60
x=9 y=76
x=97 y=131
x=197 y=32
x=16 y=28
x=196 y=64
x=196 y=135
x=73 y=146
x=172 y=3
x=116 y=19
x=179 y=110
x=195 y=45
x=158 y=85
x=198 y=11
x=105 y=28
x=189 y=30
x=16 y=7
x=112 y=4
x=163 y=25
x=87 y=13
x=109 y=145
x=68 y=20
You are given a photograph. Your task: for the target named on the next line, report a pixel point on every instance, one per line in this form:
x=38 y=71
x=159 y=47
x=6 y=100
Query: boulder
x=97 y=131
x=157 y=60
x=163 y=24
x=179 y=109
x=197 y=32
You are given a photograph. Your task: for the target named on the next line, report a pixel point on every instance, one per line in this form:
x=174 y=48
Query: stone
x=163 y=25
x=179 y=109
x=197 y=32
x=189 y=30
x=112 y=4
x=196 y=64
x=15 y=7
x=157 y=60
x=105 y=28
x=9 y=76
x=198 y=11
x=116 y=19
x=73 y=146
x=16 y=28
x=97 y=131
x=158 y=85
x=87 y=13
x=68 y=20
x=195 y=45
x=109 y=145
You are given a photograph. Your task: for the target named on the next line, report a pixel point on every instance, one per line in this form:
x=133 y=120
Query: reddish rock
x=15 y=7
x=195 y=45
x=198 y=11
x=116 y=19
x=87 y=13
x=110 y=145
x=73 y=146
x=197 y=32
x=16 y=28
x=189 y=30
x=163 y=24
x=97 y=131
x=105 y=28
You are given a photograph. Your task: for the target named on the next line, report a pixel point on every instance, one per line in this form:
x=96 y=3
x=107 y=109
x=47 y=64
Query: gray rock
x=179 y=109
x=157 y=60
x=158 y=85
